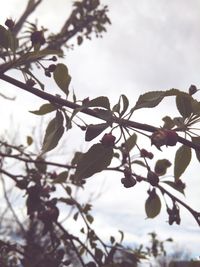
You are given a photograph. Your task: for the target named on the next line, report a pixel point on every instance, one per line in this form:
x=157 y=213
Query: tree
x=39 y=177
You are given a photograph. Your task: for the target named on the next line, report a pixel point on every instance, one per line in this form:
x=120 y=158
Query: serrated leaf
x=184 y=106
x=130 y=142
x=62 y=77
x=95 y=160
x=153 y=206
x=53 y=134
x=29 y=140
x=44 y=109
x=61 y=178
x=149 y=100
x=196 y=140
x=182 y=160
x=175 y=186
x=93 y=130
x=101 y=101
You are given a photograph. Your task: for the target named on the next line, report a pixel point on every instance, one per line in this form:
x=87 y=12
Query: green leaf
x=139 y=162
x=29 y=140
x=161 y=166
x=149 y=100
x=89 y=218
x=117 y=107
x=4 y=37
x=196 y=140
x=44 y=109
x=61 y=178
x=152 y=206
x=54 y=132
x=184 y=106
x=62 y=77
x=174 y=186
x=168 y=123
x=182 y=160
x=95 y=160
x=125 y=105
x=94 y=130
x=130 y=142
x=101 y=101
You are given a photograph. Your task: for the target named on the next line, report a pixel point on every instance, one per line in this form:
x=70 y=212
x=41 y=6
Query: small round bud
x=37 y=37
x=30 y=82
x=152 y=178
x=108 y=140
x=52 y=67
x=10 y=24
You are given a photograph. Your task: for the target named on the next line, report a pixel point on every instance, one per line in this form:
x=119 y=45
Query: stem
x=90 y=112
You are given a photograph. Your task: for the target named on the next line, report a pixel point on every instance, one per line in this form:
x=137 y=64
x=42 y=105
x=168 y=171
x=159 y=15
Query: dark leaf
x=61 y=178
x=182 y=160
x=29 y=140
x=184 y=106
x=101 y=101
x=41 y=165
x=62 y=77
x=54 y=132
x=196 y=140
x=4 y=37
x=95 y=160
x=130 y=142
x=161 y=166
x=153 y=206
x=93 y=130
x=149 y=100
x=175 y=186
x=44 y=109
x=89 y=218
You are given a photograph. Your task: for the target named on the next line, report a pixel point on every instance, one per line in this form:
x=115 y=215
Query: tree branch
x=65 y=103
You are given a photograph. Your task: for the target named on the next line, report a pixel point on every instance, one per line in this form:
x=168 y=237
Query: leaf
x=152 y=206
x=95 y=160
x=4 y=37
x=175 y=186
x=68 y=201
x=161 y=166
x=94 y=130
x=139 y=162
x=44 y=109
x=54 y=132
x=89 y=218
x=117 y=107
x=61 y=178
x=101 y=101
x=122 y=236
x=182 y=160
x=130 y=142
x=125 y=105
x=149 y=100
x=29 y=140
x=184 y=106
x=41 y=165
x=168 y=123
x=62 y=77
x=196 y=140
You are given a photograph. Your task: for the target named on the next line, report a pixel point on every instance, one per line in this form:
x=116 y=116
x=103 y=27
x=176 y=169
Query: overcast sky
x=151 y=45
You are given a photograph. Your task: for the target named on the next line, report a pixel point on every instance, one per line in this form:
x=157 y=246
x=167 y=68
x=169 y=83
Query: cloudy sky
x=151 y=45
